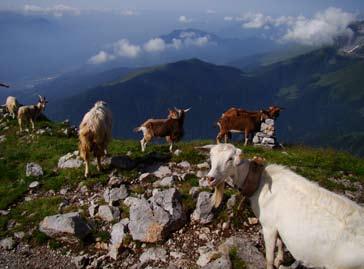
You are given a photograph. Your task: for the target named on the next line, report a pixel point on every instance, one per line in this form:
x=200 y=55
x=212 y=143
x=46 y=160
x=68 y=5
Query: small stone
x=167 y=182
x=117 y=236
x=203 y=182
x=92 y=210
x=69 y=161
x=108 y=213
x=63 y=191
x=162 y=171
x=7 y=243
x=63 y=224
x=231 y=202
x=253 y=221
x=34 y=185
x=33 y=170
x=184 y=165
x=115 y=194
x=80 y=261
x=194 y=191
x=204 y=165
x=221 y=263
x=145 y=176
x=225 y=225
x=4 y=212
x=115 y=182
x=153 y=254
x=206 y=256
x=176 y=255
x=203 y=212
x=19 y=235
x=177 y=152
x=202 y=173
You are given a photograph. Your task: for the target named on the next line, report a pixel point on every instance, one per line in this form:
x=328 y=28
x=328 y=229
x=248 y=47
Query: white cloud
x=228 y=18
x=322 y=29
x=211 y=11
x=255 y=20
x=57 y=10
x=129 y=12
x=124 y=48
x=176 y=43
x=199 y=41
x=155 y=45
x=184 y=19
x=121 y=48
x=101 y=57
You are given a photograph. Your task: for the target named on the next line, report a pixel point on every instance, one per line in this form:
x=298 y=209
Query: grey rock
x=34 y=185
x=145 y=176
x=33 y=170
x=152 y=221
x=108 y=213
x=246 y=251
x=92 y=210
x=115 y=194
x=204 y=165
x=203 y=212
x=206 y=255
x=167 y=181
x=129 y=201
x=115 y=182
x=184 y=165
x=162 y=171
x=220 y=263
x=117 y=236
x=194 y=191
x=19 y=235
x=7 y=243
x=2 y=138
x=202 y=173
x=153 y=254
x=70 y=160
x=177 y=152
x=203 y=182
x=268 y=140
x=81 y=261
x=70 y=224
x=231 y=202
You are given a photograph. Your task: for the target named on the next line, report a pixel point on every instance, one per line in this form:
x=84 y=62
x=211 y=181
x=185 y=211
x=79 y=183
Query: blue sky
x=273 y=7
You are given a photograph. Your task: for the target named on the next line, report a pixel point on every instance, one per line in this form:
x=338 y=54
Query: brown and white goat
x=12 y=106
x=171 y=128
x=95 y=134
x=31 y=113
x=238 y=121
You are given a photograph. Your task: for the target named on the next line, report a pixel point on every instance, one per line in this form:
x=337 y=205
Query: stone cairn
x=266 y=137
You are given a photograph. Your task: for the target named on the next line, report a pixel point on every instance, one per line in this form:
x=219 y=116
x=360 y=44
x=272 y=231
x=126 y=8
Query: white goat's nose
x=210 y=179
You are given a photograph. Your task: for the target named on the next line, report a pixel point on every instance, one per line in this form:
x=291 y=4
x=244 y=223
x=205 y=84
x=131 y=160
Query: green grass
x=316 y=164
x=236 y=261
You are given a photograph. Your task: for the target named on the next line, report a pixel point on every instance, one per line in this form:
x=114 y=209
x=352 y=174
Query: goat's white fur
x=95 y=134
x=12 y=106
x=319 y=228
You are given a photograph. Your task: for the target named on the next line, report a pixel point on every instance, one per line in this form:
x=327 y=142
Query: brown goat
x=31 y=113
x=240 y=121
x=170 y=128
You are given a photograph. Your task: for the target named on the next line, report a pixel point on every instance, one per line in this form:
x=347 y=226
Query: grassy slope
x=17 y=151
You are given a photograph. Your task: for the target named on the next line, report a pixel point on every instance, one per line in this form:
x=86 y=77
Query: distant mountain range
x=322 y=92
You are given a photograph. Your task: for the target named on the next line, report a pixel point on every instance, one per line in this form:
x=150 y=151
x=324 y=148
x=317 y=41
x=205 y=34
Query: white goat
x=319 y=228
x=95 y=134
x=31 y=113
x=12 y=106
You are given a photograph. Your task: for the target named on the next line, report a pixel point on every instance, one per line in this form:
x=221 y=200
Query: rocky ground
x=152 y=211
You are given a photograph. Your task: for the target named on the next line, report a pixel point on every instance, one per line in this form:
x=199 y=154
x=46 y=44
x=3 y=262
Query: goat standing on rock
x=319 y=228
x=31 y=113
x=95 y=134
x=171 y=128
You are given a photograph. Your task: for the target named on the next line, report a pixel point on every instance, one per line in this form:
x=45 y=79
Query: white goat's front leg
x=246 y=138
x=270 y=238
x=279 y=259
x=99 y=167
x=143 y=144
x=171 y=146
x=20 y=124
x=32 y=123
x=87 y=167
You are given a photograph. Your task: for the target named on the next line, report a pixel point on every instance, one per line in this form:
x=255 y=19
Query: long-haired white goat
x=95 y=134
x=31 y=113
x=12 y=105
x=318 y=227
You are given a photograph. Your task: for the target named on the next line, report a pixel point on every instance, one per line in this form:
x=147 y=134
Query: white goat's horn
x=186 y=110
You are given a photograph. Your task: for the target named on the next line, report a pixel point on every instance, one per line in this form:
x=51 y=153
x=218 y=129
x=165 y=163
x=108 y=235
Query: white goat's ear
x=205 y=148
x=186 y=110
x=239 y=157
